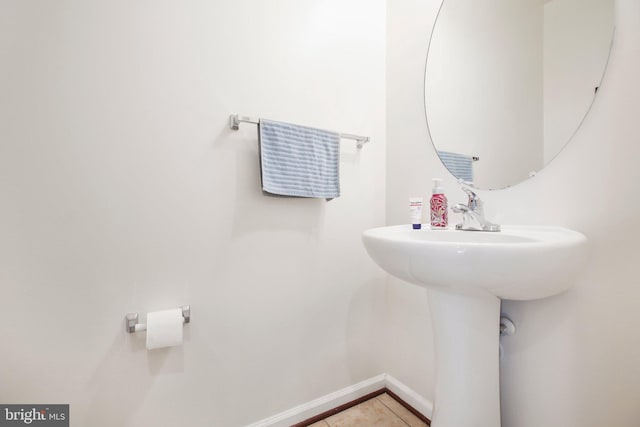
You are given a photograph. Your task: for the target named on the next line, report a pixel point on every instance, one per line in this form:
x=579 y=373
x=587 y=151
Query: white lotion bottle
x=415 y=207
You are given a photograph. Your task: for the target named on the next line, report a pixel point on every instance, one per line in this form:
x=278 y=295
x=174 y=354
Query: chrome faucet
x=473 y=214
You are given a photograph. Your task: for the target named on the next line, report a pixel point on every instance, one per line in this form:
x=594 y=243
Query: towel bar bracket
x=234 y=124
x=235 y=119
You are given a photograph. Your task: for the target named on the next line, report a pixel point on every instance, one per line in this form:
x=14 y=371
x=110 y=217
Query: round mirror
x=508 y=82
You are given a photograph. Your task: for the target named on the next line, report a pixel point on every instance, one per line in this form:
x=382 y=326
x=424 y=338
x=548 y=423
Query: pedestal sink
x=466 y=274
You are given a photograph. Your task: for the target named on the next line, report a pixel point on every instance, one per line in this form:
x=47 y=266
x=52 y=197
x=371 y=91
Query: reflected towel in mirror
x=460 y=165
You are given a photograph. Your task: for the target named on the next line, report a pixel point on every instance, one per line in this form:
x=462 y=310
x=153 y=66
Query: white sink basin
x=519 y=262
x=466 y=273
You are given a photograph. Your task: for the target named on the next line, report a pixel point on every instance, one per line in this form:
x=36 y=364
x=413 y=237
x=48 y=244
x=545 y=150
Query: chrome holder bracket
x=132 y=324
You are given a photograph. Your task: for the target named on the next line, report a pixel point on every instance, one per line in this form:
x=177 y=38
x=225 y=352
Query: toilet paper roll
x=164 y=328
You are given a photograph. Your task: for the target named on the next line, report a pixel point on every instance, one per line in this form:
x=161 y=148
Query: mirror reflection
x=508 y=82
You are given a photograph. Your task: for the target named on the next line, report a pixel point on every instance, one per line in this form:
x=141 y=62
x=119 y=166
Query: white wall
x=574 y=359
x=122 y=189
x=485 y=58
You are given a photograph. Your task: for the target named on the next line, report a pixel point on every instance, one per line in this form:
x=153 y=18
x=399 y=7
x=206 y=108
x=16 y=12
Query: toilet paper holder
x=132 y=324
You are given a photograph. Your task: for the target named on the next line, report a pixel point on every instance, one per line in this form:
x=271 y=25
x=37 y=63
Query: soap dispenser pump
x=439 y=217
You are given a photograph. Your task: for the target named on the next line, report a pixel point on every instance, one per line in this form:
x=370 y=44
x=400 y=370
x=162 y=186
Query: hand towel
x=299 y=161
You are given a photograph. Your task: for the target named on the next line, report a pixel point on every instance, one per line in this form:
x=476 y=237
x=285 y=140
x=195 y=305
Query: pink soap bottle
x=439 y=217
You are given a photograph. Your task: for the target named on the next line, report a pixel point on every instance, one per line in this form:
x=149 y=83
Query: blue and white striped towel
x=460 y=165
x=299 y=161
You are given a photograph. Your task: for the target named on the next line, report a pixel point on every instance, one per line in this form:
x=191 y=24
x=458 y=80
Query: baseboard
x=419 y=403
x=346 y=395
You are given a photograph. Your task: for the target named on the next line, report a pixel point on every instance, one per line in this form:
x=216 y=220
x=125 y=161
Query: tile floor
x=380 y=411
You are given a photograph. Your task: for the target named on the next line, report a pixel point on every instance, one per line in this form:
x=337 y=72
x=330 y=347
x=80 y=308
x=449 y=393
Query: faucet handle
x=470 y=193
x=474 y=202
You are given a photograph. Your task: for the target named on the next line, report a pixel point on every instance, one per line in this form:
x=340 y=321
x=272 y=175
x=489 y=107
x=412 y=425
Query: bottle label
x=439 y=217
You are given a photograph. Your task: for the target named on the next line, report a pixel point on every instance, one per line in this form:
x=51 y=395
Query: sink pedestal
x=466 y=331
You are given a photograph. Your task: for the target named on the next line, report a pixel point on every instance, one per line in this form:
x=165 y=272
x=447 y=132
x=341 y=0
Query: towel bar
x=236 y=119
